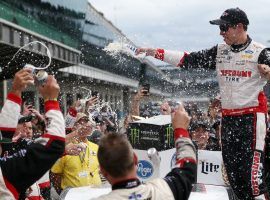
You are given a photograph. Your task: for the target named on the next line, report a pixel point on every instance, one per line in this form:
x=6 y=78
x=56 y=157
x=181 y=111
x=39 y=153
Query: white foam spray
x=116 y=48
x=31 y=43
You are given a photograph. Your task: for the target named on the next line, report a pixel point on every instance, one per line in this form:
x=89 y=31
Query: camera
x=146 y=87
x=98 y=118
x=95 y=94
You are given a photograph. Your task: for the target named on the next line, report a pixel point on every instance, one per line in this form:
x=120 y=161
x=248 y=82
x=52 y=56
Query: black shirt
x=207 y=58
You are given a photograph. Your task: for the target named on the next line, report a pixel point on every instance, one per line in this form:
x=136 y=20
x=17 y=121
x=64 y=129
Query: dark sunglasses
x=224 y=27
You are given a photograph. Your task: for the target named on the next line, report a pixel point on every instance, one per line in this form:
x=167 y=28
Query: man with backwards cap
x=242 y=70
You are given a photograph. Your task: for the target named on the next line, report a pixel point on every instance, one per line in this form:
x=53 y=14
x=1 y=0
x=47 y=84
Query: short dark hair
x=115 y=154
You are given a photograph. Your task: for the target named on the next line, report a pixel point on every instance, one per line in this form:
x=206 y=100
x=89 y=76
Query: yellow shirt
x=81 y=170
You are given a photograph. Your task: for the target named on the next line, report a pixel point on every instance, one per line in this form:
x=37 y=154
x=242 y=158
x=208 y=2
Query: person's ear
x=135 y=158
x=103 y=171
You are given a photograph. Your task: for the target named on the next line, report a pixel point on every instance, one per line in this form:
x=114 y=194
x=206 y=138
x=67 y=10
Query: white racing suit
x=244 y=108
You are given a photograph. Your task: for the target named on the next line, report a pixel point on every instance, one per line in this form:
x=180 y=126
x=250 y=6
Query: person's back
x=118 y=164
x=157 y=189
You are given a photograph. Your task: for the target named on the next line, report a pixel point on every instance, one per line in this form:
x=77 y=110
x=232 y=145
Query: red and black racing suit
x=244 y=108
x=19 y=171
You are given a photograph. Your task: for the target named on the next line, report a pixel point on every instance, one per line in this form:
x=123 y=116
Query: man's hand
x=264 y=71
x=50 y=90
x=26 y=109
x=135 y=103
x=18 y=136
x=165 y=108
x=108 y=121
x=147 y=51
x=20 y=133
x=75 y=149
x=91 y=102
x=22 y=79
x=180 y=118
x=37 y=114
x=139 y=94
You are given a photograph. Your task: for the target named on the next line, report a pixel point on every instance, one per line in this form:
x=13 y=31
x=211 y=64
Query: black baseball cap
x=196 y=124
x=231 y=16
x=6 y=137
x=23 y=119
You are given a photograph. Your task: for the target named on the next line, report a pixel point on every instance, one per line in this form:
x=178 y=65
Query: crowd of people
x=205 y=125
x=83 y=129
x=63 y=153
x=88 y=147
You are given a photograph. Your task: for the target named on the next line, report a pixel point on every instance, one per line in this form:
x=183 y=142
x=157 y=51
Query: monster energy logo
x=135 y=133
x=169 y=133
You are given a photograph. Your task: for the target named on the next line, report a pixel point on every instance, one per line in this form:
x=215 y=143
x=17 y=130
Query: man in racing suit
x=19 y=171
x=118 y=164
x=242 y=67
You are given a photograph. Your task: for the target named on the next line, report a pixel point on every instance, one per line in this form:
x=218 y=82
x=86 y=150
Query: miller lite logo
x=208 y=167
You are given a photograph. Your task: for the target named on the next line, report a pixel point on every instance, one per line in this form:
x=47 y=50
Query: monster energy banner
x=152 y=132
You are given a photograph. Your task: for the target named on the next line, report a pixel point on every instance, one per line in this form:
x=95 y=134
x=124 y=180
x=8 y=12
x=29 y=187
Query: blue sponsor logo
x=135 y=196
x=145 y=169
x=249 y=52
x=173 y=160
